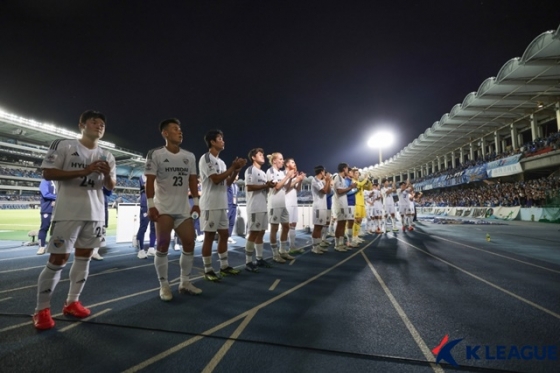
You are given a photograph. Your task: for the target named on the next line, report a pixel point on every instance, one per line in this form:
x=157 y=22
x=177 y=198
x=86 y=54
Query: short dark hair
x=89 y=114
x=253 y=152
x=402 y=183
x=212 y=135
x=164 y=123
x=319 y=169
x=342 y=166
x=383 y=180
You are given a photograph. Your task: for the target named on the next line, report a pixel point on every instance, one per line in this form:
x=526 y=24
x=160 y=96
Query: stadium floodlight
x=380 y=140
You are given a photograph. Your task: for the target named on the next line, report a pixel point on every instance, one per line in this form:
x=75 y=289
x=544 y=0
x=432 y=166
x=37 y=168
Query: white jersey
x=256 y=200
x=172 y=172
x=276 y=198
x=342 y=199
x=404 y=199
x=377 y=201
x=387 y=198
x=80 y=198
x=319 y=198
x=367 y=198
x=214 y=196
x=291 y=197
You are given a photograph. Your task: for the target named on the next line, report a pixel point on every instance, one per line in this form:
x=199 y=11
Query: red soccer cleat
x=43 y=320
x=76 y=309
x=410 y=228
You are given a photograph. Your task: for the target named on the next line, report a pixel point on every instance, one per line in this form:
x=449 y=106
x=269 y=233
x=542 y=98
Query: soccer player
x=256 y=187
x=215 y=178
x=377 y=209
x=351 y=197
x=362 y=184
x=170 y=174
x=320 y=187
x=81 y=169
x=405 y=208
x=389 y=203
x=343 y=212
x=144 y=222
x=277 y=206
x=48 y=198
x=292 y=204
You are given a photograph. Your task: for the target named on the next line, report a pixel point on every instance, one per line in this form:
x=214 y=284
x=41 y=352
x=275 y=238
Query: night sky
x=309 y=79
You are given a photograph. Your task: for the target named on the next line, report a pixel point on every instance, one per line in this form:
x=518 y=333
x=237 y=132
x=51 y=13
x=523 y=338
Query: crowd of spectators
x=541 y=146
x=20 y=197
x=529 y=193
x=19 y=172
x=126 y=182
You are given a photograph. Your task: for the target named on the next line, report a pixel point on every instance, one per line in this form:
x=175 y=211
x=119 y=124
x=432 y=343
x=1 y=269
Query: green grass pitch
x=15 y=224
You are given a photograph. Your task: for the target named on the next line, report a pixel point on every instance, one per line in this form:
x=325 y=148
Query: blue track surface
x=382 y=308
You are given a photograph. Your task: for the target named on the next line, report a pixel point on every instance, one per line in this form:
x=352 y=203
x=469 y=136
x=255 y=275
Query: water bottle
x=194 y=215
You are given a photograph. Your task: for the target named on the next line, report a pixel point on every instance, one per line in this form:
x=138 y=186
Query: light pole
x=380 y=140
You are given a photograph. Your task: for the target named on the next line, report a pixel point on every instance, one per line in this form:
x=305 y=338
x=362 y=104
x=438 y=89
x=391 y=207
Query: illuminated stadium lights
x=380 y=140
x=44 y=127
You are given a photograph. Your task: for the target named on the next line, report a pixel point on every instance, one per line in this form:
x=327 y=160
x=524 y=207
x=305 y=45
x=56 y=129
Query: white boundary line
x=73 y=325
x=274 y=284
x=492 y=253
x=227 y=345
x=226 y=323
x=413 y=332
x=518 y=297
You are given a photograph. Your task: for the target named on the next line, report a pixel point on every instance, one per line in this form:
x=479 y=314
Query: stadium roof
x=39 y=133
x=524 y=86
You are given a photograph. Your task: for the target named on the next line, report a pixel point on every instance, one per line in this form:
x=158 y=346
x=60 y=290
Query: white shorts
x=352 y=212
x=390 y=209
x=178 y=219
x=278 y=215
x=213 y=220
x=320 y=217
x=344 y=213
x=406 y=210
x=69 y=234
x=293 y=213
x=377 y=212
x=258 y=221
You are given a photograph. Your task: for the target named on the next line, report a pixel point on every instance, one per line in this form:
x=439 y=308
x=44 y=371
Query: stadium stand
x=23 y=144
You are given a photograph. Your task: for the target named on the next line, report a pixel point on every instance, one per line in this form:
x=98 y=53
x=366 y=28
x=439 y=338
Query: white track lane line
x=492 y=253
x=162 y=355
x=412 y=330
x=518 y=297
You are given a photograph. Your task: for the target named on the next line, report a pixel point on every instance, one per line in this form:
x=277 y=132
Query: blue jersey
x=351 y=194
x=48 y=196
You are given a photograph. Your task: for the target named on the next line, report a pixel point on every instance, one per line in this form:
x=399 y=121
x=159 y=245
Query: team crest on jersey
x=149 y=166
x=186 y=161
x=58 y=242
x=51 y=158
